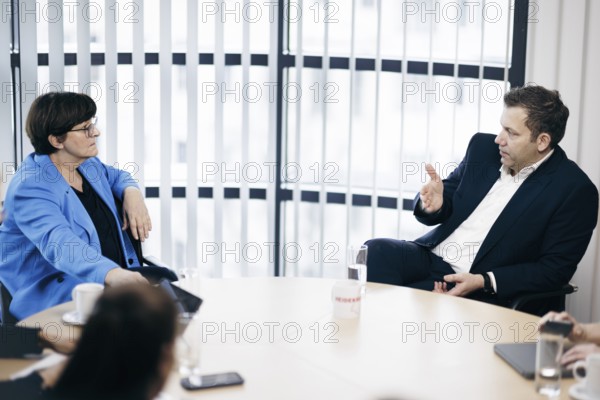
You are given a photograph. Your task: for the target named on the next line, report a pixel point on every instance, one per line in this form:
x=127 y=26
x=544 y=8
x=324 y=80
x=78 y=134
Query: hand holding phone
x=557 y=327
x=196 y=382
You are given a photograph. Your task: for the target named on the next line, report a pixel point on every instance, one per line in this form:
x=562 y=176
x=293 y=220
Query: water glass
x=188 y=344
x=357 y=263
x=190 y=279
x=547 y=364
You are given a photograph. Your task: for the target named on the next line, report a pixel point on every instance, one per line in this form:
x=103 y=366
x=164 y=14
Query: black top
x=30 y=388
x=18 y=341
x=104 y=222
x=27 y=388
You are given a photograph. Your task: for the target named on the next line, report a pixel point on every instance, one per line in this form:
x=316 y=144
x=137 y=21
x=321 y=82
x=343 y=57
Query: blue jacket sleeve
x=39 y=216
x=119 y=180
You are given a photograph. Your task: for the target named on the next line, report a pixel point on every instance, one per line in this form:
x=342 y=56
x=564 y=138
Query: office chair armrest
x=5 y=299
x=518 y=302
x=154 y=270
x=154 y=273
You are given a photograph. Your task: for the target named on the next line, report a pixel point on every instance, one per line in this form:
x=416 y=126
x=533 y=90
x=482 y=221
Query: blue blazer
x=48 y=242
x=542 y=233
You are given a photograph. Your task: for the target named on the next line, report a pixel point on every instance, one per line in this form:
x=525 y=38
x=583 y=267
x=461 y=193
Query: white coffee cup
x=346 y=299
x=591 y=381
x=85 y=296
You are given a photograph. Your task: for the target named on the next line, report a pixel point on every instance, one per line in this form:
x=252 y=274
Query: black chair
x=152 y=268
x=541 y=303
x=5 y=298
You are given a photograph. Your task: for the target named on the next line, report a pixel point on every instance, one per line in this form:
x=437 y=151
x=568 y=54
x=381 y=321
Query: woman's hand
x=577 y=333
x=50 y=375
x=579 y=352
x=120 y=276
x=64 y=344
x=135 y=214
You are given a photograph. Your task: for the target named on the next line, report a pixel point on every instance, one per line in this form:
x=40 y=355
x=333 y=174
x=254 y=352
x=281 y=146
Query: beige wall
x=564 y=53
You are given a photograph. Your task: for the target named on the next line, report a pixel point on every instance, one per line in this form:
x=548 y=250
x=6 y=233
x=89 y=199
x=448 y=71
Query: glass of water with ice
x=357 y=264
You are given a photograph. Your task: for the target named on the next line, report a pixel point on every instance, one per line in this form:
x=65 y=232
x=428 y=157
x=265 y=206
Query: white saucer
x=72 y=318
x=577 y=392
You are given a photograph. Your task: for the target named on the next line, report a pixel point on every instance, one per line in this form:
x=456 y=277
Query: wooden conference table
x=279 y=334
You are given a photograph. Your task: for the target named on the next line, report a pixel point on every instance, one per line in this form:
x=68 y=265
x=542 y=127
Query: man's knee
x=379 y=246
x=389 y=249
x=384 y=254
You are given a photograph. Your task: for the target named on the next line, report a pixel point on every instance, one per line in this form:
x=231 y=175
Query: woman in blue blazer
x=61 y=226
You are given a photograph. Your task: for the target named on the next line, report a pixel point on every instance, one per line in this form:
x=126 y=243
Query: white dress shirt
x=460 y=248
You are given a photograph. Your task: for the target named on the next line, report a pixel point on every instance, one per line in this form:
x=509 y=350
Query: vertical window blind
x=268 y=136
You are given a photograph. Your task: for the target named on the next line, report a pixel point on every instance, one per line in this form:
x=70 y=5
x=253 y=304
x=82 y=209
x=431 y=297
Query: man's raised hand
x=432 y=193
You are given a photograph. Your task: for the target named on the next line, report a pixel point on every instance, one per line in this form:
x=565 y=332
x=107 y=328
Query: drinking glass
x=357 y=264
x=188 y=344
x=547 y=364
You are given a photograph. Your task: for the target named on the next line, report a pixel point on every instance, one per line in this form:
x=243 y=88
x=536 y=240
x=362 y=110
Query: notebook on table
x=521 y=356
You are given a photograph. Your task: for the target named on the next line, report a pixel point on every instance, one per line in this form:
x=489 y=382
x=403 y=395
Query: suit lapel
x=469 y=200
x=51 y=173
x=476 y=195
x=521 y=200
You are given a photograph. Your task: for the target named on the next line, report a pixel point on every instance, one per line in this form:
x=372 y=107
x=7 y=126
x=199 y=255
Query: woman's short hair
x=122 y=345
x=56 y=113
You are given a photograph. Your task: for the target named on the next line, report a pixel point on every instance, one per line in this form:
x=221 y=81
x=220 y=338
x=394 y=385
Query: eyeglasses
x=89 y=131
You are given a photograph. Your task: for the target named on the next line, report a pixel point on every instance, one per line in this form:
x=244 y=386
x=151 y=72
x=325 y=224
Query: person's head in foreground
x=126 y=349
x=533 y=123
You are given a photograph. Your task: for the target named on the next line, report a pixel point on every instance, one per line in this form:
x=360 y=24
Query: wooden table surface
x=279 y=334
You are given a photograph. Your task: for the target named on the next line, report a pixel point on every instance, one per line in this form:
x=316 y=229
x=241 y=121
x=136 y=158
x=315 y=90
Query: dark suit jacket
x=542 y=233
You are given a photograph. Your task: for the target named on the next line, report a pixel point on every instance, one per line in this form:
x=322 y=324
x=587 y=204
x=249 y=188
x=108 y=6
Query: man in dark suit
x=515 y=217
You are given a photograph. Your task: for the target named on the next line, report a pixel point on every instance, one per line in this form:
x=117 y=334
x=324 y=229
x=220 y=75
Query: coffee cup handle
x=581 y=364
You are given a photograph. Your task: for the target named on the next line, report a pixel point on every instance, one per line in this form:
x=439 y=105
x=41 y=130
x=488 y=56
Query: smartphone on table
x=197 y=382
